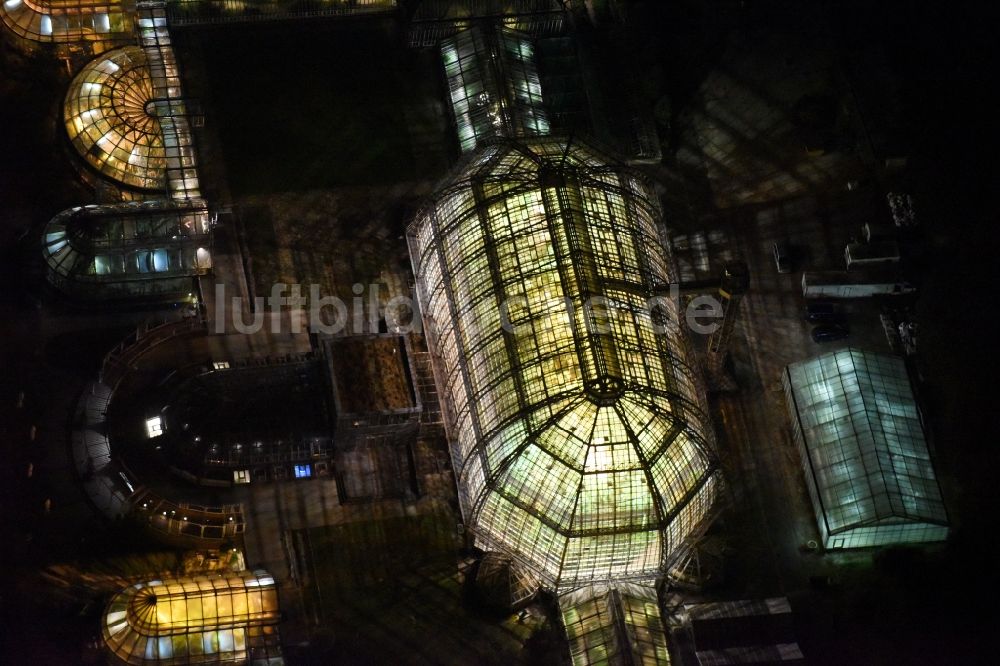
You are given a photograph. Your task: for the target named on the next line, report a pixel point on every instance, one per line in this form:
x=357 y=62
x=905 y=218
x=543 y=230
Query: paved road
x=772 y=518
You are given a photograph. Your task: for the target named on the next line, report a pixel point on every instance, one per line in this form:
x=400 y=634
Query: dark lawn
x=388 y=592
x=313 y=106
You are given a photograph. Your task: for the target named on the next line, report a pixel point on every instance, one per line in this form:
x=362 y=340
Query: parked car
x=829 y=333
x=820 y=312
x=782 y=257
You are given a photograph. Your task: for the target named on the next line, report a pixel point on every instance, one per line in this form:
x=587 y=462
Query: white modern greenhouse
x=866 y=461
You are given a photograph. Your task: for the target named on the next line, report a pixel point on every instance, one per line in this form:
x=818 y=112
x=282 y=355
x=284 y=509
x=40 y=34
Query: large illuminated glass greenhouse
x=578 y=434
x=862 y=444
x=134 y=249
x=112 y=124
x=209 y=619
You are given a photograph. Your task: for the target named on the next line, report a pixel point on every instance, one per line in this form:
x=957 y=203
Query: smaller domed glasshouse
x=110 y=122
x=207 y=619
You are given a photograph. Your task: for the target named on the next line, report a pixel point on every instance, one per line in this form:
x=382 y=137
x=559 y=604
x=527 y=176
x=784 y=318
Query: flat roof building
x=745 y=631
x=866 y=461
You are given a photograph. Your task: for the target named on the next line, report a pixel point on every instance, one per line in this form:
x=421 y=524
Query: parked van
x=853 y=284
x=868 y=254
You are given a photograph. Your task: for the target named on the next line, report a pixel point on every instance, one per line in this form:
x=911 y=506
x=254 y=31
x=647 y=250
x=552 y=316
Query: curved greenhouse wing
x=198 y=619
x=111 y=123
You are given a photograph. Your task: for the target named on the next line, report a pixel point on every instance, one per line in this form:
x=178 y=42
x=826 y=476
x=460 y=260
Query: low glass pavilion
x=578 y=433
x=111 y=123
x=128 y=250
x=97 y=22
x=861 y=440
x=434 y=20
x=193 y=12
x=208 y=619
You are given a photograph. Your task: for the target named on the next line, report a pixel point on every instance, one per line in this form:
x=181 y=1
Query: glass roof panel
x=109 y=121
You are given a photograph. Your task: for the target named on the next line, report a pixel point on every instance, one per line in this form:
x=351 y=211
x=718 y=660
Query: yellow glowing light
x=189 y=618
x=106 y=106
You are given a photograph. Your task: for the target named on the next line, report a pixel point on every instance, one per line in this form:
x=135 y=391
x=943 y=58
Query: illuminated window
x=303 y=471
x=221 y=365
x=241 y=476
x=154 y=427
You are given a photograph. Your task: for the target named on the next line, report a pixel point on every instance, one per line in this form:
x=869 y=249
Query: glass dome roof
x=580 y=436
x=107 y=118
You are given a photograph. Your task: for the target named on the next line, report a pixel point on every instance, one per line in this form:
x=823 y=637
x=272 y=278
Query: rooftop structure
x=378 y=409
x=110 y=121
x=866 y=461
x=194 y=12
x=169 y=104
x=241 y=422
x=371 y=374
x=218 y=619
x=434 y=20
x=578 y=434
x=115 y=490
x=748 y=631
